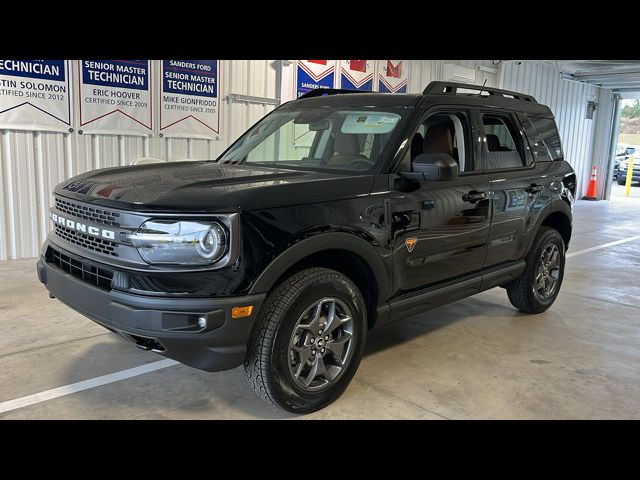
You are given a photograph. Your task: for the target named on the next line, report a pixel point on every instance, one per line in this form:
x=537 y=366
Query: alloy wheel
x=547 y=272
x=322 y=344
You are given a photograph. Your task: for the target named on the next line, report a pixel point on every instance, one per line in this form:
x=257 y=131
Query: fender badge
x=410 y=243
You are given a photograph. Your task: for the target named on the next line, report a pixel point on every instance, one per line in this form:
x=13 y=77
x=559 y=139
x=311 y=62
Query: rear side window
x=502 y=142
x=538 y=148
x=547 y=129
x=543 y=137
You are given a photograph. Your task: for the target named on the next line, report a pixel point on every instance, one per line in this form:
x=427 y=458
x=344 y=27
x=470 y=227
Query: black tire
x=521 y=292
x=268 y=354
x=621 y=181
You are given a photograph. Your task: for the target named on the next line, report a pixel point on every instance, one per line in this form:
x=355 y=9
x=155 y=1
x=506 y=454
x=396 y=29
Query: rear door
x=519 y=191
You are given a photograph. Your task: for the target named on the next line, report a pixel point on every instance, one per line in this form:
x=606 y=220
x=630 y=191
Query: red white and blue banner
x=393 y=76
x=312 y=74
x=115 y=97
x=35 y=95
x=190 y=106
x=357 y=74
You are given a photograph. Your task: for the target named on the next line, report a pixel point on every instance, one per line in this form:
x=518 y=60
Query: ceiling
x=621 y=76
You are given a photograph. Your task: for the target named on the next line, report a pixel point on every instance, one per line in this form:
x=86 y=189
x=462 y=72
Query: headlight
x=180 y=242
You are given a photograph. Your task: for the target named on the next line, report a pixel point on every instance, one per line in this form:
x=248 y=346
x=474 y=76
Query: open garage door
x=622 y=78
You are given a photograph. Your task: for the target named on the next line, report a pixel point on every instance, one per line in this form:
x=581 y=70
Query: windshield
x=324 y=138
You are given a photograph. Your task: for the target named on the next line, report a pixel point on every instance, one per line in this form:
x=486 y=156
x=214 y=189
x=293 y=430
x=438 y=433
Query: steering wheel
x=361 y=164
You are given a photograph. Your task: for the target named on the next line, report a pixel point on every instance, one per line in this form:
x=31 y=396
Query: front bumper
x=166 y=325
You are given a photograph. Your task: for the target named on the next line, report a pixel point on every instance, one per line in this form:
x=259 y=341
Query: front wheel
x=538 y=286
x=621 y=181
x=308 y=340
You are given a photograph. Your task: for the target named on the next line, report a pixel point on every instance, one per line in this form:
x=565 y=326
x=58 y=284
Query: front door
x=439 y=229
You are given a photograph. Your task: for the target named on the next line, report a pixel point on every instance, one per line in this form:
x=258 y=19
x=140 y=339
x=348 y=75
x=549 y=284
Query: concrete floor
x=619 y=190
x=477 y=358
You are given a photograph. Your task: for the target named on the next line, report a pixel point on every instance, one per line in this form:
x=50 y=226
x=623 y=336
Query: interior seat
x=347 y=149
x=493 y=144
x=438 y=140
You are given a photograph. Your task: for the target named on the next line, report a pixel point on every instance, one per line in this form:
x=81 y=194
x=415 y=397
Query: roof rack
x=318 y=92
x=449 y=88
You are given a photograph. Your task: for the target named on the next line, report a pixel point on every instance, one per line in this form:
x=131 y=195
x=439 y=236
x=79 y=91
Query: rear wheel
x=538 y=286
x=621 y=181
x=308 y=340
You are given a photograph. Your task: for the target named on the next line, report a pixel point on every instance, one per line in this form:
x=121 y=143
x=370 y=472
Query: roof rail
x=449 y=88
x=318 y=92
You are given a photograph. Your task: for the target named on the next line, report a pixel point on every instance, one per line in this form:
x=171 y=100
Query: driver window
x=444 y=133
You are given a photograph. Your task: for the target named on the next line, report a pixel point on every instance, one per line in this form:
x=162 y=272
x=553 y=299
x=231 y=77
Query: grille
x=97 y=276
x=92 y=243
x=97 y=215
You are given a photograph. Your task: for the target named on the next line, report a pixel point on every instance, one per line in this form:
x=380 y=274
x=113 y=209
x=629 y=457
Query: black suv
x=334 y=214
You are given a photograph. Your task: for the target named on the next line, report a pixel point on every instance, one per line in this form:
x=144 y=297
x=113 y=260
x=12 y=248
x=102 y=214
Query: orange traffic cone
x=592 y=191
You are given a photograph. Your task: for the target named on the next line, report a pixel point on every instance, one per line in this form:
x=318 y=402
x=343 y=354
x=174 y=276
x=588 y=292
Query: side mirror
x=428 y=167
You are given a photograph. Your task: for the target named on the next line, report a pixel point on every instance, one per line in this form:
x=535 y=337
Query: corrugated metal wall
x=602 y=157
x=32 y=163
x=424 y=71
x=567 y=100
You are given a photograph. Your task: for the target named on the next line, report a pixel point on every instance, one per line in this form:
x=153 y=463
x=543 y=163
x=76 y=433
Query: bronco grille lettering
x=82 y=227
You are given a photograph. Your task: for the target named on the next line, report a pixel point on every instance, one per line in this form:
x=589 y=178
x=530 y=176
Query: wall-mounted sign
x=115 y=97
x=357 y=75
x=190 y=104
x=35 y=95
x=312 y=74
x=393 y=76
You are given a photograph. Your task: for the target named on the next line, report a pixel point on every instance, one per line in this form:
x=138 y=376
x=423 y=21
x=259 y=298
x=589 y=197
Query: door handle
x=474 y=196
x=533 y=188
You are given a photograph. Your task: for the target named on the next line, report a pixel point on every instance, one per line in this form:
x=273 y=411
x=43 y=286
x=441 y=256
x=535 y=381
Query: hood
x=209 y=187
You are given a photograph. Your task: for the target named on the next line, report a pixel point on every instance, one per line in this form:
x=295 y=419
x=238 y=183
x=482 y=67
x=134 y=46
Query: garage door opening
x=627 y=152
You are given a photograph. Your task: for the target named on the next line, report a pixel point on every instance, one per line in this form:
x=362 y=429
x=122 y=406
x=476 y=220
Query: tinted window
x=502 y=142
x=546 y=128
x=538 y=147
x=443 y=133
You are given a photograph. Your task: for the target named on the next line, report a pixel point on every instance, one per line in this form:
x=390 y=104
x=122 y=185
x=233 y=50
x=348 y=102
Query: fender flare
x=318 y=243
x=557 y=206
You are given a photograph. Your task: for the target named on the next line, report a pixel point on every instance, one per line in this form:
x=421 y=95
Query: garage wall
x=32 y=163
x=425 y=71
x=567 y=100
x=602 y=156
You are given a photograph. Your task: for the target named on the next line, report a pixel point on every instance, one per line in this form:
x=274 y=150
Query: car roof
x=359 y=100
x=436 y=93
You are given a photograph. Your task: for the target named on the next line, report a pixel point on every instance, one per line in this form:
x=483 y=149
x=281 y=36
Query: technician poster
x=357 y=75
x=35 y=95
x=115 y=97
x=190 y=104
x=313 y=74
x=393 y=76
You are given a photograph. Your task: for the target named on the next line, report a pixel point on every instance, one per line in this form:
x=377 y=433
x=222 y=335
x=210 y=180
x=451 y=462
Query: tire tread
x=257 y=363
x=519 y=291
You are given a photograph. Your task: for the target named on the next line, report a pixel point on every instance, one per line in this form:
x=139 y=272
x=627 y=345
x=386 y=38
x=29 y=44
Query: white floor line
x=84 y=385
x=152 y=367
x=604 y=245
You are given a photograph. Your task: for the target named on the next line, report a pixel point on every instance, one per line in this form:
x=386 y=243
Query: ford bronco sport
x=334 y=214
